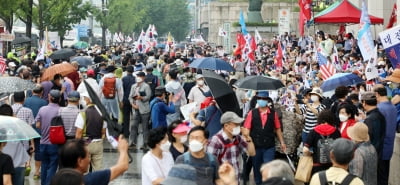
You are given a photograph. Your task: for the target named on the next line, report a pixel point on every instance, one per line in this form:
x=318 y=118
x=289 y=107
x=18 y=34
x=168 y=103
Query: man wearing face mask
x=139 y=98
x=206 y=164
x=158 y=161
x=261 y=124
x=196 y=94
x=227 y=145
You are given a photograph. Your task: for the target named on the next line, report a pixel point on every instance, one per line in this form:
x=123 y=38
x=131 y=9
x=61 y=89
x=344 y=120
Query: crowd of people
x=350 y=135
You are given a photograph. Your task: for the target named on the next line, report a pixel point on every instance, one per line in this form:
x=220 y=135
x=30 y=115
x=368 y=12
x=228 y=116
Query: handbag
x=303 y=172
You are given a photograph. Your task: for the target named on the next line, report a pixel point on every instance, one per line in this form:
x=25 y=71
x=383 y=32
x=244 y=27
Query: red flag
x=279 y=56
x=241 y=43
x=3 y=65
x=305 y=7
x=253 y=47
x=393 y=17
x=302 y=21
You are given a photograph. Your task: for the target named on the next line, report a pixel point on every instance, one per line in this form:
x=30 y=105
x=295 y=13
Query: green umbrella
x=81 y=45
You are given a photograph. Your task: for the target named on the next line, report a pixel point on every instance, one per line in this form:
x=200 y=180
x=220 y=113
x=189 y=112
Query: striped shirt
x=310 y=117
x=69 y=115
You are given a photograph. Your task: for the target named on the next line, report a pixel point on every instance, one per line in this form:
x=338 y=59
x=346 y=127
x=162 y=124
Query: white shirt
x=196 y=95
x=79 y=123
x=154 y=168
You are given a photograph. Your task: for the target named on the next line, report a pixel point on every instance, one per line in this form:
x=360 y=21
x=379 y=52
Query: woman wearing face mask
x=310 y=111
x=177 y=134
x=347 y=119
x=158 y=161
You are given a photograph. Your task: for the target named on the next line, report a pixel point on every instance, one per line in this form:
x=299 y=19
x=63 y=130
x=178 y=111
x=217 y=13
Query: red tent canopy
x=343 y=12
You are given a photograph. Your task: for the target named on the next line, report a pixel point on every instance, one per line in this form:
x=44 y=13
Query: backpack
x=186 y=160
x=57 y=131
x=346 y=181
x=323 y=149
x=109 y=87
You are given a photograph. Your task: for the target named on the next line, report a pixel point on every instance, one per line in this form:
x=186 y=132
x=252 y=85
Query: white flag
x=257 y=37
x=371 y=71
x=222 y=32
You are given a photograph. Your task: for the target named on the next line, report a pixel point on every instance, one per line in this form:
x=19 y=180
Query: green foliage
x=7 y=11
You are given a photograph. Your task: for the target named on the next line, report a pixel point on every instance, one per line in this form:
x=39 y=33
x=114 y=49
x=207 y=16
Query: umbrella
x=161 y=46
x=63 y=69
x=212 y=64
x=259 y=83
x=339 y=79
x=222 y=93
x=81 y=45
x=21 y=40
x=15 y=84
x=62 y=54
x=83 y=60
x=14 y=129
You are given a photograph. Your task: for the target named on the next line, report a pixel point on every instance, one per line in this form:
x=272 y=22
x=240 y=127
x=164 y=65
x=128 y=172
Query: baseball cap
x=74 y=96
x=199 y=76
x=229 y=116
x=55 y=93
x=181 y=128
x=90 y=73
x=181 y=174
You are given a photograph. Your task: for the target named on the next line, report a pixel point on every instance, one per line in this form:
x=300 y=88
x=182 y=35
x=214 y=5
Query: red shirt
x=264 y=117
x=343 y=132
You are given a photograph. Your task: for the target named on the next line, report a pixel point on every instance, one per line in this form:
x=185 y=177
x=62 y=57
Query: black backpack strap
x=347 y=180
x=322 y=178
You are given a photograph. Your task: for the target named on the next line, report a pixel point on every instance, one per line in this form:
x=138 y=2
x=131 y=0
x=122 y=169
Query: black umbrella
x=62 y=54
x=259 y=83
x=21 y=40
x=114 y=129
x=222 y=93
x=83 y=60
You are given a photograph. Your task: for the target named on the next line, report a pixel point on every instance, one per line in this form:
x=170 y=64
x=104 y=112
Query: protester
x=209 y=116
x=6 y=162
x=127 y=82
x=67 y=176
x=181 y=174
x=175 y=88
x=139 y=98
x=389 y=111
x=324 y=130
x=205 y=163
x=177 y=135
x=341 y=155
x=347 y=119
x=196 y=94
x=113 y=92
x=75 y=154
x=228 y=144
x=48 y=151
x=277 y=171
x=160 y=107
x=157 y=162
x=70 y=113
x=91 y=127
x=260 y=125
x=365 y=161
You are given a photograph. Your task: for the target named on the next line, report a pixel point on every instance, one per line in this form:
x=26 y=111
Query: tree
x=60 y=16
x=125 y=15
x=9 y=7
x=25 y=14
x=178 y=18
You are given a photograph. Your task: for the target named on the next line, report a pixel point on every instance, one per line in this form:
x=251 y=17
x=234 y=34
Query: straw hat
x=317 y=91
x=395 y=77
x=358 y=132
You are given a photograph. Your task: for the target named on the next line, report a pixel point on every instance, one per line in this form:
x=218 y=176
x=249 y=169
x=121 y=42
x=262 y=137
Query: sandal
x=36 y=177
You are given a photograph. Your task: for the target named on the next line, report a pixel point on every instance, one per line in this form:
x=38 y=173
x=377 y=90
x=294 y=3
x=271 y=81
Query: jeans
x=174 y=116
x=18 y=177
x=144 y=120
x=304 y=137
x=127 y=110
x=49 y=155
x=263 y=155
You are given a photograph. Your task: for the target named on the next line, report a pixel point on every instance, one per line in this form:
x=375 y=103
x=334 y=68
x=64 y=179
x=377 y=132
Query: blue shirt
x=389 y=111
x=211 y=116
x=127 y=82
x=34 y=103
x=159 y=111
x=101 y=177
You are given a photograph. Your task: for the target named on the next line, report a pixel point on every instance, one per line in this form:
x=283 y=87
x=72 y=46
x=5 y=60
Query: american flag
x=326 y=67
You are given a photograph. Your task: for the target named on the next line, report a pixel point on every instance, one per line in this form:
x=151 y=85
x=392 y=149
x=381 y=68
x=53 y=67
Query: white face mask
x=183 y=139
x=314 y=98
x=61 y=81
x=236 y=131
x=200 y=82
x=195 y=146
x=343 y=118
x=139 y=79
x=165 y=146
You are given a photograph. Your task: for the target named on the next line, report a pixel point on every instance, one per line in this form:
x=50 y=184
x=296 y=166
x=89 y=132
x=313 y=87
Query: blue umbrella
x=340 y=79
x=212 y=64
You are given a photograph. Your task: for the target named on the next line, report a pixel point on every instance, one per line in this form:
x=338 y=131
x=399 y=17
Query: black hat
x=159 y=90
x=140 y=73
x=110 y=68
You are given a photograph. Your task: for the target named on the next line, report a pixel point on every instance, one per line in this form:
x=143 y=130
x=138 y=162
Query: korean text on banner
x=391 y=43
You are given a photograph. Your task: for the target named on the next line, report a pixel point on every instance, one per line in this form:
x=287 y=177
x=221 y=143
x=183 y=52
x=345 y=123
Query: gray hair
x=278 y=168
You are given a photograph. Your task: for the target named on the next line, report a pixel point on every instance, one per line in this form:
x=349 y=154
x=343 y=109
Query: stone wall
x=216 y=14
